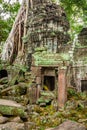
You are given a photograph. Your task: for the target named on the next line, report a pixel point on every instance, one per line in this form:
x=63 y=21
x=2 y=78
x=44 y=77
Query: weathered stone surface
x=62 y=88
x=12 y=126
x=42 y=104
x=4 y=80
x=1 y=87
x=8 y=107
x=31 y=93
x=16 y=119
x=29 y=125
x=69 y=125
x=3 y=119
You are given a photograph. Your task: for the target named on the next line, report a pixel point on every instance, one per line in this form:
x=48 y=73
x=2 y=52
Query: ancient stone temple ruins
x=80 y=62
x=39 y=39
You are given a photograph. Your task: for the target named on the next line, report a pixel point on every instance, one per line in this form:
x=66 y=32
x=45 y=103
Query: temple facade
x=39 y=40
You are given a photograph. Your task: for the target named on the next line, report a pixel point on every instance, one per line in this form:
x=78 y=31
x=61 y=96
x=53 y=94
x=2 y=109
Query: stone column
x=78 y=82
x=62 y=88
x=38 y=81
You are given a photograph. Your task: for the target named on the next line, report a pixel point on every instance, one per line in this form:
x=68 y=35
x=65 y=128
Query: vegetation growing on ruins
x=35 y=73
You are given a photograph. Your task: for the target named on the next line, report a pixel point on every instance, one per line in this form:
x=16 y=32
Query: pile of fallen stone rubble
x=18 y=109
x=12 y=112
x=17 y=102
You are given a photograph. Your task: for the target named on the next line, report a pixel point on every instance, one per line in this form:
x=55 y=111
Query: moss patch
x=12 y=111
x=46 y=58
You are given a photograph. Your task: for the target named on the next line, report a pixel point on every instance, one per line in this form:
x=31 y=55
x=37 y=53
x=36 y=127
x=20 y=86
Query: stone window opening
x=3 y=73
x=83 y=85
x=49 y=83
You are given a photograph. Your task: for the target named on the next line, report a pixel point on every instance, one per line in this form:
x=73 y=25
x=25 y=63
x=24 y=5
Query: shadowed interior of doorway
x=49 y=82
x=83 y=85
x=3 y=73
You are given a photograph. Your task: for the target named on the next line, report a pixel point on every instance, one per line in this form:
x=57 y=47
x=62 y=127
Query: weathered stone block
x=11 y=108
x=12 y=126
x=69 y=125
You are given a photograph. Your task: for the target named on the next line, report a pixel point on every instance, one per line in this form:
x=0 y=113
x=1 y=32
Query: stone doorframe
x=62 y=84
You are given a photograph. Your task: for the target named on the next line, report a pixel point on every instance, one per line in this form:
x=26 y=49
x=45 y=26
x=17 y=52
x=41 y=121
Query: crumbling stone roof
x=47 y=24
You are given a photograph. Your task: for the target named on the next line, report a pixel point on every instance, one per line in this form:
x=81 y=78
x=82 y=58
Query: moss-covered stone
x=11 y=108
x=12 y=111
x=20 y=89
x=50 y=58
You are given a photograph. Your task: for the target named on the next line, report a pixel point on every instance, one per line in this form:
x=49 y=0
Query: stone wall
x=79 y=69
x=79 y=66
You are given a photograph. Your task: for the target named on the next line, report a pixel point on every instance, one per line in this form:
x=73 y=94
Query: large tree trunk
x=14 y=37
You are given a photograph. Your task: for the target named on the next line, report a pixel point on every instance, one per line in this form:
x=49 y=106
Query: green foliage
x=4 y=64
x=4 y=29
x=76 y=12
x=53 y=0
x=82 y=95
x=10 y=11
x=71 y=92
x=43 y=100
x=19 y=67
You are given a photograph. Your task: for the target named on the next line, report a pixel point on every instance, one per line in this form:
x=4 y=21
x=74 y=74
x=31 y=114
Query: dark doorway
x=49 y=82
x=3 y=73
x=83 y=85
